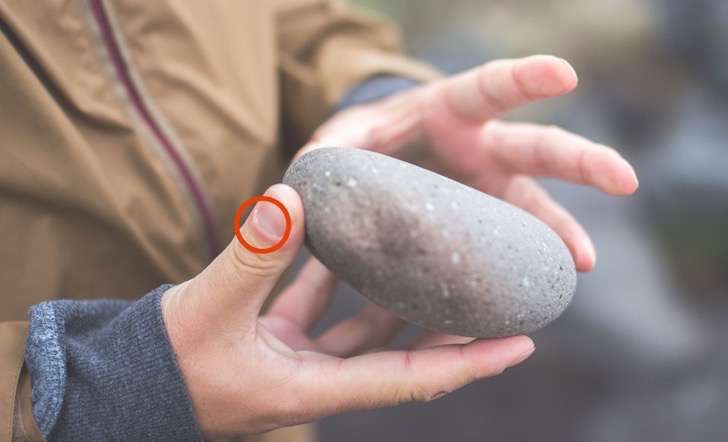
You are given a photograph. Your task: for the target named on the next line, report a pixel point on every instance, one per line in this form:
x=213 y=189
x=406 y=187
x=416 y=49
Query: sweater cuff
x=105 y=370
x=375 y=88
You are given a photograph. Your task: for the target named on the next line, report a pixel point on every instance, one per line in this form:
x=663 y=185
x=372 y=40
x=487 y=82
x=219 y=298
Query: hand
x=456 y=121
x=249 y=373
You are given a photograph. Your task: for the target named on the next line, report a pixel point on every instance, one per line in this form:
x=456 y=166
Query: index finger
x=497 y=87
x=388 y=378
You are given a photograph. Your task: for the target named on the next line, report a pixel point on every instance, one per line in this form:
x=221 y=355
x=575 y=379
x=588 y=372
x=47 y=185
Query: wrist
x=187 y=338
x=383 y=126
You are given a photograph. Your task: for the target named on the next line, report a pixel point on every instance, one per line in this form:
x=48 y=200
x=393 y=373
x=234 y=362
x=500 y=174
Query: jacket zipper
x=135 y=97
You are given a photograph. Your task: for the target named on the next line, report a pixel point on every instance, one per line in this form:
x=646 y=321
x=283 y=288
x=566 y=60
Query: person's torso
x=131 y=131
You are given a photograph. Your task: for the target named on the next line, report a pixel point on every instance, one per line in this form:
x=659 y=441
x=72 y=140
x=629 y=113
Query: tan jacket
x=131 y=130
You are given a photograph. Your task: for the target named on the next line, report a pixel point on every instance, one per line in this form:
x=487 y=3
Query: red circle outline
x=239 y=214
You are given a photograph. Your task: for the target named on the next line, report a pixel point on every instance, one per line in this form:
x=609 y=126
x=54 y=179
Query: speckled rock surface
x=433 y=251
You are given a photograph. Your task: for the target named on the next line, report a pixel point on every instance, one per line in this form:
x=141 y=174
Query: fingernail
x=592 y=252
x=636 y=180
x=269 y=219
x=573 y=77
x=523 y=356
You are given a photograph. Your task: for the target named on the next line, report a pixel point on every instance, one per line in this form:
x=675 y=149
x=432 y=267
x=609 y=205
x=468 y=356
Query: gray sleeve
x=374 y=89
x=104 y=370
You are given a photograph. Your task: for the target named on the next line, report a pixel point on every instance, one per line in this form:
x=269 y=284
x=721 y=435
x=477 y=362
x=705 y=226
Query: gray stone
x=433 y=251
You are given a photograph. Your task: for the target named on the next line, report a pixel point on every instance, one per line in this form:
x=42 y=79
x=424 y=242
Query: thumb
x=239 y=280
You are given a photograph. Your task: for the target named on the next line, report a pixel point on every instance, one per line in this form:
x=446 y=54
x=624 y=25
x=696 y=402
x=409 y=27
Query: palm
x=454 y=127
x=456 y=119
x=248 y=373
x=286 y=332
x=298 y=308
x=451 y=140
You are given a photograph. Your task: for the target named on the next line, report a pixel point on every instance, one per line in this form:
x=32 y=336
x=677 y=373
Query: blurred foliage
x=638 y=61
x=520 y=26
x=633 y=358
x=698 y=256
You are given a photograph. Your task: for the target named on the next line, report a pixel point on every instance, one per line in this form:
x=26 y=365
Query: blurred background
x=641 y=353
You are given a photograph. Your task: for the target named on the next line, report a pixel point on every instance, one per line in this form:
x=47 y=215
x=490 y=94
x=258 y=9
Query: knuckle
x=375 y=136
x=254 y=263
x=438 y=395
x=422 y=393
x=521 y=84
x=494 y=99
x=526 y=195
x=493 y=137
x=583 y=172
x=423 y=390
x=419 y=394
x=410 y=393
